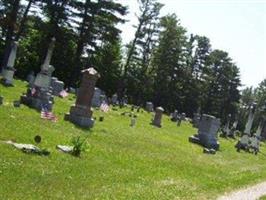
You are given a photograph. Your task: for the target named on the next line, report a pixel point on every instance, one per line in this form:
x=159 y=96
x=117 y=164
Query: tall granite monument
x=39 y=95
x=81 y=112
x=251 y=115
x=9 y=70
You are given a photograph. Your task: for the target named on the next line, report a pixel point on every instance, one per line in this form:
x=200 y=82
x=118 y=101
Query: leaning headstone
x=251 y=116
x=207 y=132
x=81 y=112
x=158 y=117
x=40 y=94
x=9 y=70
x=149 y=106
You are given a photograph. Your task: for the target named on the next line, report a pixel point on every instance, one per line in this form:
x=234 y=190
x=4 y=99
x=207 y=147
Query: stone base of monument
x=37 y=100
x=208 y=142
x=80 y=116
x=7 y=79
x=194 y=139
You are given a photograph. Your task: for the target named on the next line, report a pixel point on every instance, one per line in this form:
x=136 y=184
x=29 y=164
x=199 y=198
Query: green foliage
x=80 y=145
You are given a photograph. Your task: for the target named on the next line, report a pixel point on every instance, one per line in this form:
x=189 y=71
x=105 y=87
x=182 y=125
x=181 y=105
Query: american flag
x=104 y=107
x=33 y=91
x=63 y=94
x=45 y=114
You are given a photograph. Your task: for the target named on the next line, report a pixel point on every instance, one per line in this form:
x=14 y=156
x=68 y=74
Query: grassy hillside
x=143 y=162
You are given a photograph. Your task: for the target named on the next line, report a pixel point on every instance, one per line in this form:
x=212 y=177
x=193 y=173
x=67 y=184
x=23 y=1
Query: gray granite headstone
x=158 y=117
x=149 y=106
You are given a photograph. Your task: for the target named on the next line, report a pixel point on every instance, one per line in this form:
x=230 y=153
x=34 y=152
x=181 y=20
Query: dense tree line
x=163 y=63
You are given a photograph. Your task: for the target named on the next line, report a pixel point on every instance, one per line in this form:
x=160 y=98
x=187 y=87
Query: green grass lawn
x=143 y=162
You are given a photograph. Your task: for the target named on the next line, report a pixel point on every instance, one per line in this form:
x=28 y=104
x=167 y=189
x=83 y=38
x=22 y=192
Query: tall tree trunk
x=23 y=20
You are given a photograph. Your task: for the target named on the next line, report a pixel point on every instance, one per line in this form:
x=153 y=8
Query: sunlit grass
x=143 y=162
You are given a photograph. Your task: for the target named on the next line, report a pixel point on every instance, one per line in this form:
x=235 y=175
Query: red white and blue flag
x=45 y=114
x=63 y=94
x=104 y=107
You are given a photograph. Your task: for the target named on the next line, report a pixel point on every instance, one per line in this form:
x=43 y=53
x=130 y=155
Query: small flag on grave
x=63 y=94
x=104 y=107
x=45 y=114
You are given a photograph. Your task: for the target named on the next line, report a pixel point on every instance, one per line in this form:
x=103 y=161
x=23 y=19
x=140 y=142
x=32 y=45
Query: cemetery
x=96 y=105
x=159 y=159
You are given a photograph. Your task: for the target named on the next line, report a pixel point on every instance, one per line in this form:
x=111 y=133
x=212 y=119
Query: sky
x=235 y=26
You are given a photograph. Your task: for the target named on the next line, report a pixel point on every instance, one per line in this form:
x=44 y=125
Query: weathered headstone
x=251 y=116
x=158 y=117
x=40 y=94
x=9 y=70
x=207 y=132
x=57 y=86
x=196 y=120
x=133 y=121
x=81 y=112
x=183 y=116
x=149 y=106
x=174 y=116
x=226 y=130
x=98 y=97
x=114 y=99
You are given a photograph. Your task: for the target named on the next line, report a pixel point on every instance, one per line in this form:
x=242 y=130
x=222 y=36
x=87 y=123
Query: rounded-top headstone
x=159 y=109
x=91 y=72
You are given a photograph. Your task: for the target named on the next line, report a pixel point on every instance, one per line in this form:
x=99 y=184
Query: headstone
x=254 y=144
x=149 y=106
x=174 y=116
x=227 y=126
x=9 y=70
x=243 y=143
x=158 y=117
x=196 y=120
x=57 y=86
x=207 y=132
x=98 y=97
x=40 y=93
x=81 y=112
x=114 y=99
x=233 y=129
x=133 y=121
x=72 y=90
x=183 y=116
x=251 y=116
